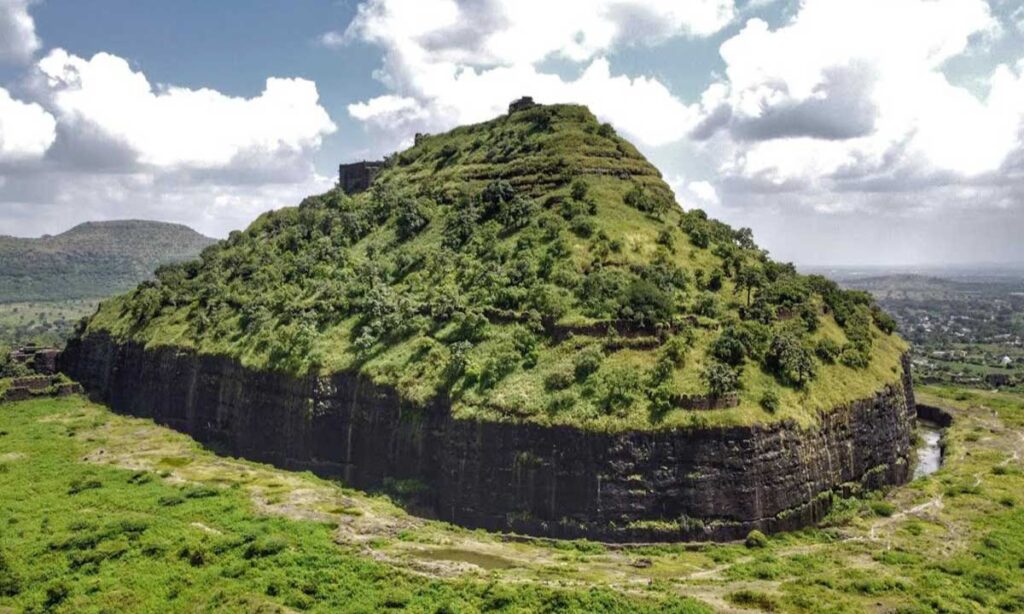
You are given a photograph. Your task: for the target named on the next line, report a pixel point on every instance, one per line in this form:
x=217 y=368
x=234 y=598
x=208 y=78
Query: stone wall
x=717 y=483
x=34 y=386
x=39 y=360
x=357 y=176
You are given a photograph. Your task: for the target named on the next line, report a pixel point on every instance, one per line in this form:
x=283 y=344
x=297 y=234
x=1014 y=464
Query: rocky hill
x=533 y=267
x=519 y=316
x=94 y=259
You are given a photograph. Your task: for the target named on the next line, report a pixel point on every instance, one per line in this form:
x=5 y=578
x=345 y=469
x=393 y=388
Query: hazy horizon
x=806 y=266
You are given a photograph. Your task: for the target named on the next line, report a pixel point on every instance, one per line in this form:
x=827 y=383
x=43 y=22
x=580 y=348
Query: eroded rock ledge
x=717 y=483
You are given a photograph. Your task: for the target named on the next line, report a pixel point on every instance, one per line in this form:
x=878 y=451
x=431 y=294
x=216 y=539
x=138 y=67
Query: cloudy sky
x=841 y=131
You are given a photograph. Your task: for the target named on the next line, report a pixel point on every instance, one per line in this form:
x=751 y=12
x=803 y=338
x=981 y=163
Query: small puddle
x=929 y=454
x=484 y=561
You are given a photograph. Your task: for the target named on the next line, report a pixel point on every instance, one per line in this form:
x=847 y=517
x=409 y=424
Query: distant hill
x=914 y=287
x=92 y=260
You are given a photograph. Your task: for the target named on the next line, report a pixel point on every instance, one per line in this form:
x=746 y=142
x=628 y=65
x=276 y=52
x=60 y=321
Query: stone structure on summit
x=356 y=177
x=521 y=104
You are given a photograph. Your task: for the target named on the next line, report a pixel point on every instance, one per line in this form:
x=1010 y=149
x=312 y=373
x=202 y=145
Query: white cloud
x=505 y=32
x=26 y=129
x=698 y=194
x=332 y=40
x=18 y=40
x=102 y=142
x=704 y=190
x=841 y=136
x=181 y=127
x=51 y=201
x=851 y=89
x=388 y=111
x=451 y=62
x=1017 y=18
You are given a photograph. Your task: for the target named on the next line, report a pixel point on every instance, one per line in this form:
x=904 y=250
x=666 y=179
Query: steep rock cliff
x=715 y=483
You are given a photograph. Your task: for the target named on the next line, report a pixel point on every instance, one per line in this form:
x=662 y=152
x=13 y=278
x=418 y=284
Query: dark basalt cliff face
x=716 y=483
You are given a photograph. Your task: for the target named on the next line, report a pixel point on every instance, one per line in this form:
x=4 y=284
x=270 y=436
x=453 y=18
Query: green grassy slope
x=92 y=260
x=535 y=267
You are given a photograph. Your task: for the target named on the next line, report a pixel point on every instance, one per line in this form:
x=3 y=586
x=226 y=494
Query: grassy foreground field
x=77 y=535
x=101 y=512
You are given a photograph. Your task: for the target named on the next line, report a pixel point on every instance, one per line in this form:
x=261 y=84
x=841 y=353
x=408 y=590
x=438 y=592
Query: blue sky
x=229 y=46
x=841 y=131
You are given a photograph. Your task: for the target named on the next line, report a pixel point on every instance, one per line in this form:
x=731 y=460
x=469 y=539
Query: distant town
x=967 y=329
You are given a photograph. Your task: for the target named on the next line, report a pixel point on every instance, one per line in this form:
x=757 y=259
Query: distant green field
x=42 y=322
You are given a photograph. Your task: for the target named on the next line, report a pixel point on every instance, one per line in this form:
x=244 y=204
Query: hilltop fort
x=519 y=318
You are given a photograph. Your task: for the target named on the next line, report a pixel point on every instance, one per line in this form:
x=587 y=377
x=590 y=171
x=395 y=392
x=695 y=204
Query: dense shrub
x=790 y=360
x=411 y=217
x=706 y=305
x=560 y=378
x=729 y=347
x=578 y=189
x=882 y=508
x=587 y=361
x=883 y=320
x=517 y=212
x=618 y=389
x=714 y=281
x=641 y=199
x=582 y=227
x=720 y=379
x=602 y=291
x=646 y=304
x=671 y=356
x=666 y=238
x=854 y=356
x=459 y=224
x=827 y=350
x=770 y=401
x=561 y=402
x=789 y=292
x=752 y=599
x=675 y=350
x=265 y=546
x=756 y=539
x=11 y=368
x=664 y=274
x=699 y=236
x=494 y=194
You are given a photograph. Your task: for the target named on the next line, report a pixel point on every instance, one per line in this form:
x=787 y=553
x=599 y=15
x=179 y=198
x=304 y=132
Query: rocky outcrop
x=713 y=483
x=938 y=415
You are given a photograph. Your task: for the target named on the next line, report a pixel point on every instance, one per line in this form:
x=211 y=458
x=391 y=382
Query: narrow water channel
x=929 y=454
